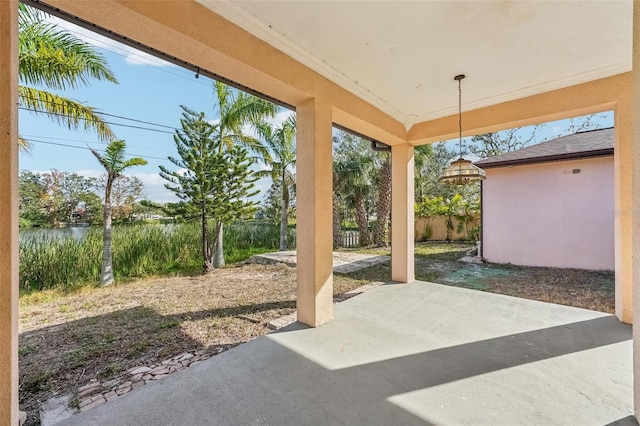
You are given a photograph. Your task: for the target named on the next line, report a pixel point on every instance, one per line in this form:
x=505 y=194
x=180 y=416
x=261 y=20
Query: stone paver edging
x=96 y=392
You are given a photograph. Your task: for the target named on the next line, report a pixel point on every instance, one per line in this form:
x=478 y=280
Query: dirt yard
x=68 y=339
x=438 y=263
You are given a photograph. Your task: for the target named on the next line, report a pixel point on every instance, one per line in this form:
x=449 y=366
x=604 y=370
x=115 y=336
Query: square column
x=402 y=217
x=9 y=212
x=623 y=165
x=314 y=228
x=635 y=203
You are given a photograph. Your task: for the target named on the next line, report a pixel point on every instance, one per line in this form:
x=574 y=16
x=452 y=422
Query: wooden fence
x=438 y=227
x=350 y=239
x=436 y=224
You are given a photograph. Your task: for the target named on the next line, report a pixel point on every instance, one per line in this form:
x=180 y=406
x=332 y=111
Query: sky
x=149 y=90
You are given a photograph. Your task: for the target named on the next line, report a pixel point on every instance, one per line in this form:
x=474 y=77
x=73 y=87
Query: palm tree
x=354 y=174
x=383 y=201
x=53 y=58
x=236 y=110
x=353 y=181
x=278 y=153
x=114 y=163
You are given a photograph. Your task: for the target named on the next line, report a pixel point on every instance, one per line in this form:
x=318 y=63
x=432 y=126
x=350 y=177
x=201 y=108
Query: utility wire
x=103 y=113
x=97 y=121
x=49 y=138
x=89 y=149
x=137 y=121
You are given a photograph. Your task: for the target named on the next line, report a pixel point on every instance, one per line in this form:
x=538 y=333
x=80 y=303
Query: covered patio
x=385 y=71
x=416 y=353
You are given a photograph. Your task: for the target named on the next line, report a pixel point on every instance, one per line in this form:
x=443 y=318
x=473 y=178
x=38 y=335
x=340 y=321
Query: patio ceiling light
x=461 y=171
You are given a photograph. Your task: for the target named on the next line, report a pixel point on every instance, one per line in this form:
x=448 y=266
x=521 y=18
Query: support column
x=314 y=196
x=635 y=250
x=402 y=218
x=623 y=163
x=9 y=212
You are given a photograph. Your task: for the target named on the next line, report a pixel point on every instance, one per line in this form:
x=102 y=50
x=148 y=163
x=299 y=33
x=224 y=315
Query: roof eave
x=547 y=159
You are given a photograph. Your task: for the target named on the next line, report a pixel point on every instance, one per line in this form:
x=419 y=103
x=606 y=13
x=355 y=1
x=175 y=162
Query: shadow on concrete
x=265 y=382
x=459 y=362
x=626 y=421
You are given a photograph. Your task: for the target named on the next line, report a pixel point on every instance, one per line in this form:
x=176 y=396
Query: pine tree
x=214 y=182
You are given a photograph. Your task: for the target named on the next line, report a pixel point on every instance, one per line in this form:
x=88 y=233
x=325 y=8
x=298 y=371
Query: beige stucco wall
x=545 y=215
x=8 y=213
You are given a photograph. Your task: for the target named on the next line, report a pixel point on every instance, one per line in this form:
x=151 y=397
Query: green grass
x=48 y=262
x=441 y=251
x=426 y=250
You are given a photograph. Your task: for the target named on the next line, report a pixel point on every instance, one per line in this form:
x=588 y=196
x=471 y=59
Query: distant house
x=551 y=204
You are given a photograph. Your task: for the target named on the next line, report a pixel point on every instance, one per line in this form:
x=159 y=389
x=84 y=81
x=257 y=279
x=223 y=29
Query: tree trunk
x=362 y=222
x=284 y=217
x=218 y=254
x=383 y=204
x=107 y=267
x=337 y=231
x=207 y=266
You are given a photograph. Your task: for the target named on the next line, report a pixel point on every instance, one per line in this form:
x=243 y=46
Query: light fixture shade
x=462 y=172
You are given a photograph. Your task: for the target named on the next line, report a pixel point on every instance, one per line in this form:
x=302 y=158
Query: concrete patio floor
x=417 y=353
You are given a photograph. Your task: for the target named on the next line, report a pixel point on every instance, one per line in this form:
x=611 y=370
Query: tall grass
x=48 y=261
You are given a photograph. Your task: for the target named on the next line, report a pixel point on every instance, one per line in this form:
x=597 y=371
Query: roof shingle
x=590 y=143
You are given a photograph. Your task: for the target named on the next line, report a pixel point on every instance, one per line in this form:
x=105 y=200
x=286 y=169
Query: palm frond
x=72 y=114
x=135 y=161
x=52 y=57
x=113 y=159
x=23 y=144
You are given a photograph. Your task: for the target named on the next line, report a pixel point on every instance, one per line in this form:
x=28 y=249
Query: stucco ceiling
x=402 y=56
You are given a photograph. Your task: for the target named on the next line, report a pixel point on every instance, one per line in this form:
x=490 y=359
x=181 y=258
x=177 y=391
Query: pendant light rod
x=459 y=79
x=461 y=171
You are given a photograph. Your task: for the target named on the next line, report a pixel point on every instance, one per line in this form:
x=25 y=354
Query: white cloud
x=130 y=54
x=90 y=173
x=154 y=189
x=275 y=121
x=263 y=186
x=280 y=117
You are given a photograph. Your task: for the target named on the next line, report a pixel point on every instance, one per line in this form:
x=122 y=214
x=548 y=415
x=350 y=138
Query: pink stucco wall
x=545 y=215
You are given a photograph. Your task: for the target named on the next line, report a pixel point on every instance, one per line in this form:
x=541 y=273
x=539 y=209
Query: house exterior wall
x=546 y=215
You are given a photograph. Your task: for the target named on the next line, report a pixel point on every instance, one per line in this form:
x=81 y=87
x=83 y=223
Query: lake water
x=76 y=232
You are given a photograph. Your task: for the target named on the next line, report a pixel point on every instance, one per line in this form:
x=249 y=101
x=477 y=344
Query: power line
x=102 y=113
x=97 y=121
x=89 y=149
x=131 y=145
x=137 y=121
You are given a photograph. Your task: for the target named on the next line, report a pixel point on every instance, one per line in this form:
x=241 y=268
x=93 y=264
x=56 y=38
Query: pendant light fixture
x=461 y=171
